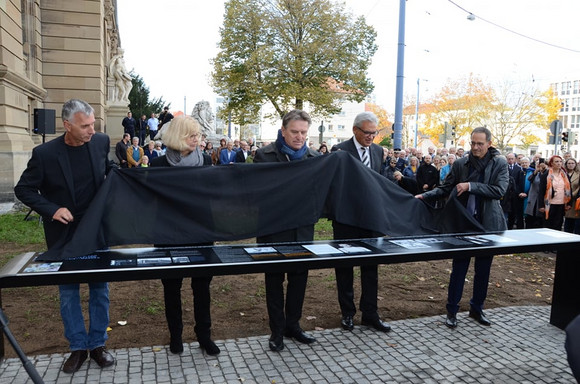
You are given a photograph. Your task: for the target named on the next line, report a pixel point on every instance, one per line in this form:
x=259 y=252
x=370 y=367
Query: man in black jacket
x=360 y=146
x=61 y=179
x=121 y=150
x=285 y=319
x=129 y=124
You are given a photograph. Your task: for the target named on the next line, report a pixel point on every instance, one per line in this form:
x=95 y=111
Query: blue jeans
x=74 y=322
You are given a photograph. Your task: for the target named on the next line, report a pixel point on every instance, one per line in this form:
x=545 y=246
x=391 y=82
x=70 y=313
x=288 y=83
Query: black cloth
x=573 y=346
x=284 y=314
x=336 y=186
x=47 y=185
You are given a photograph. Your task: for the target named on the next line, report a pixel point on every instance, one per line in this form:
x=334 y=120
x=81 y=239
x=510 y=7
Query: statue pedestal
x=116 y=112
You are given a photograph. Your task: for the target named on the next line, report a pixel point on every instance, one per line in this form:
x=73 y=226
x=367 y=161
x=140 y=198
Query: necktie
x=365 y=157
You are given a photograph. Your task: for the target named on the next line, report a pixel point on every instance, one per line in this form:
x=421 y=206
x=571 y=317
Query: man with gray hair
x=361 y=147
x=61 y=179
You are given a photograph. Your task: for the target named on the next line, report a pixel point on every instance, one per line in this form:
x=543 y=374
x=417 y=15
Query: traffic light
x=564 y=136
x=453 y=131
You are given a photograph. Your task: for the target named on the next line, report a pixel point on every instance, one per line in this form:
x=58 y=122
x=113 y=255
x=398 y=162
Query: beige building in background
x=52 y=51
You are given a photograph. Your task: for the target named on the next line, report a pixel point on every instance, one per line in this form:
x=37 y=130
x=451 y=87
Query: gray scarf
x=175 y=159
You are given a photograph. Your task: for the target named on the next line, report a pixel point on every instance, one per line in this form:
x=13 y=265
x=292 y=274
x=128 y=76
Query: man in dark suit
x=243 y=153
x=121 y=150
x=360 y=146
x=61 y=179
x=289 y=146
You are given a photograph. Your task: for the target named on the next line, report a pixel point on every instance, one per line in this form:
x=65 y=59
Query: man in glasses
x=360 y=146
x=478 y=181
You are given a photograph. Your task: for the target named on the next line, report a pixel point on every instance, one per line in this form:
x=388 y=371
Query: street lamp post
x=398 y=126
x=417 y=112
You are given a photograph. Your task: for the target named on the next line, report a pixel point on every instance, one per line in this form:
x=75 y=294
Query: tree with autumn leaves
x=511 y=111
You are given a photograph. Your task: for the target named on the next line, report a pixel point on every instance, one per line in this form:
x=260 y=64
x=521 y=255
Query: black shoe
x=300 y=336
x=102 y=357
x=176 y=346
x=451 y=320
x=479 y=317
x=209 y=347
x=377 y=324
x=276 y=343
x=75 y=361
x=347 y=323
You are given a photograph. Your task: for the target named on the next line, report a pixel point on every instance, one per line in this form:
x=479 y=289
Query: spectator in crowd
x=236 y=146
x=567 y=155
x=182 y=141
x=152 y=125
x=150 y=151
x=121 y=150
x=572 y=216
x=460 y=152
x=452 y=150
x=243 y=153
x=135 y=153
x=209 y=148
x=218 y=151
x=401 y=160
x=390 y=169
x=362 y=148
x=142 y=128
x=427 y=175
x=555 y=188
x=534 y=218
x=411 y=169
x=446 y=168
x=526 y=182
x=284 y=315
x=228 y=154
x=61 y=194
x=145 y=162
x=250 y=158
x=164 y=118
x=323 y=149
x=129 y=124
x=159 y=148
x=478 y=181
x=516 y=212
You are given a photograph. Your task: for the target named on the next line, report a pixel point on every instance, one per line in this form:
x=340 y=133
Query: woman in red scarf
x=555 y=187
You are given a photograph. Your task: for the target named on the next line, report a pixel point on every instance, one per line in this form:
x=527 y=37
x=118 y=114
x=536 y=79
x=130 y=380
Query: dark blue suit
x=226 y=158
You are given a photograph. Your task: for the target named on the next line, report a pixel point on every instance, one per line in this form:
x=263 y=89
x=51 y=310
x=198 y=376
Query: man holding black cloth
x=285 y=317
x=478 y=181
x=59 y=183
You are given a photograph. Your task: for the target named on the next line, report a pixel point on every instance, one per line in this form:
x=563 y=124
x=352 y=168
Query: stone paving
x=520 y=347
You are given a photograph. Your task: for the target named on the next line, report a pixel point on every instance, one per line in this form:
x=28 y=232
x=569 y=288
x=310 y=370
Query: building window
x=341 y=127
x=576 y=87
x=330 y=127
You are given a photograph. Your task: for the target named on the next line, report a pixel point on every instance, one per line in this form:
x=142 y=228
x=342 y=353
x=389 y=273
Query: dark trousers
x=533 y=221
x=285 y=315
x=555 y=217
x=457 y=281
x=369 y=291
x=201 y=307
x=516 y=215
x=572 y=225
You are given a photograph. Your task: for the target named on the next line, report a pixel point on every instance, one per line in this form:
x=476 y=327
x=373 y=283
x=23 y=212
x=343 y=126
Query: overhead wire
x=512 y=31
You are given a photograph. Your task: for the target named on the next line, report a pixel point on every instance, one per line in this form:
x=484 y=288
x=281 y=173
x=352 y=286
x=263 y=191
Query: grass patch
x=323 y=230
x=14 y=229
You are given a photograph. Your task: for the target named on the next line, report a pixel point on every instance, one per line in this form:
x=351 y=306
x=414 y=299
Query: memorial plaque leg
x=566 y=294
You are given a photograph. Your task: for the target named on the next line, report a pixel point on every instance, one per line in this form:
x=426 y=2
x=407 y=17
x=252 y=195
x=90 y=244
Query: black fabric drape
x=187 y=205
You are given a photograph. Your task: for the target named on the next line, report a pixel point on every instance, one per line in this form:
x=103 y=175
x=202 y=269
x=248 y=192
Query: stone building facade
x=52 y=51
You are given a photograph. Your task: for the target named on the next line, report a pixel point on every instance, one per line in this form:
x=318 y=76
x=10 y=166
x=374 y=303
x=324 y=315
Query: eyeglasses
x=367 y=133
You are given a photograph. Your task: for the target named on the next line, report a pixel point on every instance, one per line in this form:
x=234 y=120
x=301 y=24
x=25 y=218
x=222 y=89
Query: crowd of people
x=499 y=191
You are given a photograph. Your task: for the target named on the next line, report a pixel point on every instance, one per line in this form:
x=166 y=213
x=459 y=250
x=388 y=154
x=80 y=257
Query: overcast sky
x=170 y=43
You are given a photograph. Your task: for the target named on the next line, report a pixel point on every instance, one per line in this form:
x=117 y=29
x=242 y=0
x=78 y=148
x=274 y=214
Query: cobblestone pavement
x=520 y=347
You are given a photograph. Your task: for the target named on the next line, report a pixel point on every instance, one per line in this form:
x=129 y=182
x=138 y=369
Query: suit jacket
x=517 y=174
x=225 y=158
x=240 y=158
x=376 y=152
x=47 y=182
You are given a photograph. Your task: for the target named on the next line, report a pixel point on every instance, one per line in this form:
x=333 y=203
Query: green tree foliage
x=289 y=53
x=139 y=102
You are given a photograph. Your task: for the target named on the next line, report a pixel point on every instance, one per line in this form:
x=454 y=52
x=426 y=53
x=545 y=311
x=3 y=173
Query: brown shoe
x=75 y=361
x=102 y=357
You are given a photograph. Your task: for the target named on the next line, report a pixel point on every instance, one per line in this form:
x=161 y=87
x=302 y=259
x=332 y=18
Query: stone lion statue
x=203 y=114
